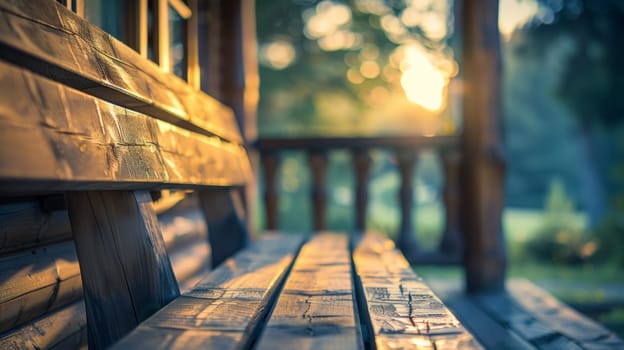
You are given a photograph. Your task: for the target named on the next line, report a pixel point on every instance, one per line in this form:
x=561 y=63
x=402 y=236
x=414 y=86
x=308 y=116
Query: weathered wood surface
x=558 y=316
x=227 y=231
x=224 y=310
x=404 y=311
x=125 y=269
x=68 y=139
x=37 y=281
x=487 y=330
x=61 y=329
x=524 y=317
x=315 y=309
x=47 y=38
x=26 y=225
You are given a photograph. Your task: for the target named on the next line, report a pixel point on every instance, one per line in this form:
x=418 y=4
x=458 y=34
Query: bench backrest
x=85 y=116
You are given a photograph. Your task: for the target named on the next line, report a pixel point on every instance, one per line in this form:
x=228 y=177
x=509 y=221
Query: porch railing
x=406 y=150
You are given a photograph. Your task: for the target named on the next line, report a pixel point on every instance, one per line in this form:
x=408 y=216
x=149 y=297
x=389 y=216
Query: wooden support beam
x=483 y=160
x=318 y=169
x=406 y=241
x=451 y=242
x=361 y=167
x=225 y=217
x=270 y=164
x=125 y=269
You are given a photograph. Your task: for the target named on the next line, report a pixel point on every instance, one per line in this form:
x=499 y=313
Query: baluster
x=318 y=167
x=451 y=243
x=361 y=167
x=406 y=160
x=270 y=162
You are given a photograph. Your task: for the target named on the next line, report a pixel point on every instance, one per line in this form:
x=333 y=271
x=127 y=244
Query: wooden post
x=406 y=241
x=318 y=168
x=126 y=273
x=224 y=214
x=451 y=242
x=483 y=160
x=361 y=167
x=270 y=163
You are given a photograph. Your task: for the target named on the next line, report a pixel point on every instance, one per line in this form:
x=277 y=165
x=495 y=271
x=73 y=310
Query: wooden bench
x=93 y=246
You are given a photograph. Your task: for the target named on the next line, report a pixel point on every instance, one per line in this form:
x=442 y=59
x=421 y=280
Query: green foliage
x=558 y=241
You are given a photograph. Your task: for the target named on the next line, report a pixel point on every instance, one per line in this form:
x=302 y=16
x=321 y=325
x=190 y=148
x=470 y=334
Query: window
x=164 y=31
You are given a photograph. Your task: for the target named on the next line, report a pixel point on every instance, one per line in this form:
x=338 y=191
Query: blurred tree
x=591 y=79
x=340 y=67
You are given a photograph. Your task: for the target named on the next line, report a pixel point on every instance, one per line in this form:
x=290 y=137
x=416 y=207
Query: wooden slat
x=50 y=40
x=404 y=311
x=556 y=315
x=37 y=281
x=25 y=225
x=62 y=329
x=125 y=269
x=315 y=309
x=318 y=170
x=502 y=307
x=270 y=163
x=485 y=328
x=361 y=169
x=70 y=140
x=227 y=232
x=224 y=310
x=406 y=159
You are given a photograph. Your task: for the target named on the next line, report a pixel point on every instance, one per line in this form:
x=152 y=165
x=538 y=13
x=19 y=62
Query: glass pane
x=177 y=37
x=110 y=15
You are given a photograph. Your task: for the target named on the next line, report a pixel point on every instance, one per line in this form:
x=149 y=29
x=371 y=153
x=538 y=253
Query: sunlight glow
x=424 y=84
x=277 y=54
x=327 y=24
x=514 y=14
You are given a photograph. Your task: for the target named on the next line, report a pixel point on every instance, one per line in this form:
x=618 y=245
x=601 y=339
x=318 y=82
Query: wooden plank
x=404 y=312
x=70 y=140
x=37 y=281
x=315 y=309
x=486 y=329
x=47 y=38
x=558 y=316
x=224 y=310
x=125 y=269
x=63 y=328
x=25 y=225
x=227 y=231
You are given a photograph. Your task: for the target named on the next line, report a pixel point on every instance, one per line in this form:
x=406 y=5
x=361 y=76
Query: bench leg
x=227 y=232
x=126 y=273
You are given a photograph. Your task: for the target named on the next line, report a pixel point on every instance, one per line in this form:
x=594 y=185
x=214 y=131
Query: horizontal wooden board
x=404 y=312
x=224 y=309
x=557 y=316
x=315 y=309
x=47 y=38
x=62 y=139
x=26 y=225
x=62 y=329
x=37 y=281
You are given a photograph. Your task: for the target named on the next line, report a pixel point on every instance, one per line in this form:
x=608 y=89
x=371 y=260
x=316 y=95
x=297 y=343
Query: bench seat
x=323 y=292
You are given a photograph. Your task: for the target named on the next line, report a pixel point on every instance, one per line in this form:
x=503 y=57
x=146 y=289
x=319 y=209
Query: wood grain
x=50 y=40
x=26 y=225
x=558 y=316
x=224 y=310
x=69 y=140
x=125 y=269
x=227 y=231
x=37 y=281
x=62 y=329
x=315 y=309
x=404 y=311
